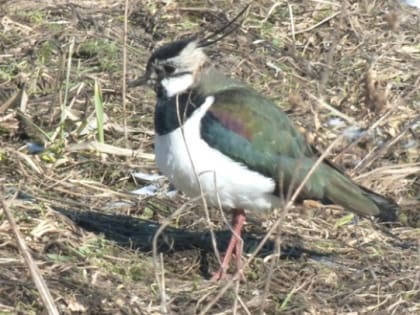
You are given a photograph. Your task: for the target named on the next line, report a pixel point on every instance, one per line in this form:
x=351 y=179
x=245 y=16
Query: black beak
x=139 y=81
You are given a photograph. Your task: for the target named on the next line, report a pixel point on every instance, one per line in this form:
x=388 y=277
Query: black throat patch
x=170 y=113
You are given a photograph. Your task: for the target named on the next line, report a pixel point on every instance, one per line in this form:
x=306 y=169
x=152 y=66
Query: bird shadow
x=138 y=234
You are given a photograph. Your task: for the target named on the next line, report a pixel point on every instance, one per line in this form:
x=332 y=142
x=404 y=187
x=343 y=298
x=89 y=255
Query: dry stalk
x=276 y=224
x=274 y=260
x=375 y=154
x=202 y=197
x=202 y=194
x=319 y=23
x=333 y=110
x=161 y=282
x=330 y=56
x=158 y=262
x=270 y=12
x=37 y=278
x=283 y=214
x=366 y=132
x=110 y=149
x=292 y=25
x=397 y=171
x=124 y=74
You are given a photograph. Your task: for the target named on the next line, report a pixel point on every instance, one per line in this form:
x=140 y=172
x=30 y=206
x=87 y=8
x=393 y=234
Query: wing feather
x=252 y=130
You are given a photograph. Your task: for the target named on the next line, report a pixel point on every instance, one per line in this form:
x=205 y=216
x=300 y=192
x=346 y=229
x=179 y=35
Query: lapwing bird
x=220 y=138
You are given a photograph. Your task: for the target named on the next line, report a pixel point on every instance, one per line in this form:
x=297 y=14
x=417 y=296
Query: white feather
x=220 y=176
x=176 y=85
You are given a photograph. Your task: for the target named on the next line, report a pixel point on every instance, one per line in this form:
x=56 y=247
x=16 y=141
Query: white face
x=177 y=74
x=177 y=84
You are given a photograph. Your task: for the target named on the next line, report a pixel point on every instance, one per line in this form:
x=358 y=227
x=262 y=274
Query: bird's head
x=174 y=68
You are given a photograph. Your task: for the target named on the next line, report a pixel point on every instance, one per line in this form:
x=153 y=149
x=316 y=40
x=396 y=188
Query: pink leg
x=235 y=245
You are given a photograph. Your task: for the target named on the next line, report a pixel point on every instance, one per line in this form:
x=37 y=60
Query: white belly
x=186 y=158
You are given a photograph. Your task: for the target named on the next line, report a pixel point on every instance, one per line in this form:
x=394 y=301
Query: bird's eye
x=169 y=69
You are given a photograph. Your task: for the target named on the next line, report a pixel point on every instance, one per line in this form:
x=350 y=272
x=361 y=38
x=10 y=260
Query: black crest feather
x=224 y=31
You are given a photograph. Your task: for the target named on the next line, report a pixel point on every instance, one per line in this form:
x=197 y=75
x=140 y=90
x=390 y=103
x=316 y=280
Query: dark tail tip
x=388 y=208
x=389 y=212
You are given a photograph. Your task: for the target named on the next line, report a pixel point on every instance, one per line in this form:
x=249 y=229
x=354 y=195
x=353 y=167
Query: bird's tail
x=388 y=208
x=343 y=191
x=330 y=185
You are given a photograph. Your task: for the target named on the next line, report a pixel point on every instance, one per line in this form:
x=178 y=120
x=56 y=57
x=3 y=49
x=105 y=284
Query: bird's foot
x=219 y=275
x=234 y=248
x=222 y=274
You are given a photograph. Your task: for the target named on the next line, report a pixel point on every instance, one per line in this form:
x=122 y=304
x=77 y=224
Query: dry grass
x=358 y=61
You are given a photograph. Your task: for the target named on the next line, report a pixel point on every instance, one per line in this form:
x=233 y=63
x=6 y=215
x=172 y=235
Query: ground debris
x=349 y=67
